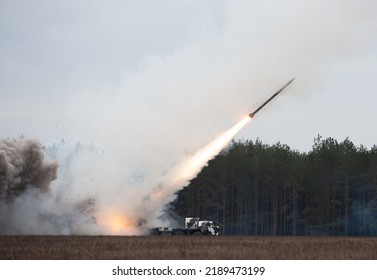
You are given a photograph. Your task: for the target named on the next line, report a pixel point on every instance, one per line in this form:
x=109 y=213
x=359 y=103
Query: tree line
x=259 y=189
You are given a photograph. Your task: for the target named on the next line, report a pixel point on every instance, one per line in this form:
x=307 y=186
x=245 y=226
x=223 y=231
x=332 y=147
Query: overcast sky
x=187 y=70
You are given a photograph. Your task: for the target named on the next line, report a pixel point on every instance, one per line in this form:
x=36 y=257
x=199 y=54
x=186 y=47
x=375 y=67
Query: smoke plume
x=22 y=164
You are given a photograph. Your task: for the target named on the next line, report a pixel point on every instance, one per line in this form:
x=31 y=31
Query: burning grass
x=182 y=247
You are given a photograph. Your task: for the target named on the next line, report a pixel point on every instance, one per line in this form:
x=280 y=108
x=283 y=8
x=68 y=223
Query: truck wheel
x=196 y=233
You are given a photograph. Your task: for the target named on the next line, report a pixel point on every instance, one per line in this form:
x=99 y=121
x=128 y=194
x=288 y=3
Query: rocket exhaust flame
x=192 y=166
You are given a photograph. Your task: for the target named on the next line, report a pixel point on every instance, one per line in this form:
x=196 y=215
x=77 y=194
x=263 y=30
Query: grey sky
x=66 y=65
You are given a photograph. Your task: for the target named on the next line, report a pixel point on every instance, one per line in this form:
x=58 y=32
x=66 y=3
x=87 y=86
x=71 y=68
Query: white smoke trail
x=180 y=176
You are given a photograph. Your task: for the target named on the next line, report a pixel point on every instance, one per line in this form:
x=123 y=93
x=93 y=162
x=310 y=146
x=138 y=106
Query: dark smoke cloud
x=28 y=204
x=22 y=164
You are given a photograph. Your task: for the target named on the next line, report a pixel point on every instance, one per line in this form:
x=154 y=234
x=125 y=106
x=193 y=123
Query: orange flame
x=118 y=223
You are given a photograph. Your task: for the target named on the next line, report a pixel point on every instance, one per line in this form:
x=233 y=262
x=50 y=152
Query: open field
x=185 y=247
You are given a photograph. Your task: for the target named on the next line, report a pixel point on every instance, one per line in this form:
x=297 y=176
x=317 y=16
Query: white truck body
x=192 y=226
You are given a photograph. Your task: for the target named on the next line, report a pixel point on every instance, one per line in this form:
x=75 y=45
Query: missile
x=251 y=115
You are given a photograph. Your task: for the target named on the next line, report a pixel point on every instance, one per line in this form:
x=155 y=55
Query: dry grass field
x=182 y=247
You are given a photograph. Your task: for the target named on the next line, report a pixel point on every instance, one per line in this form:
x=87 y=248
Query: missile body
x=251 y=115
